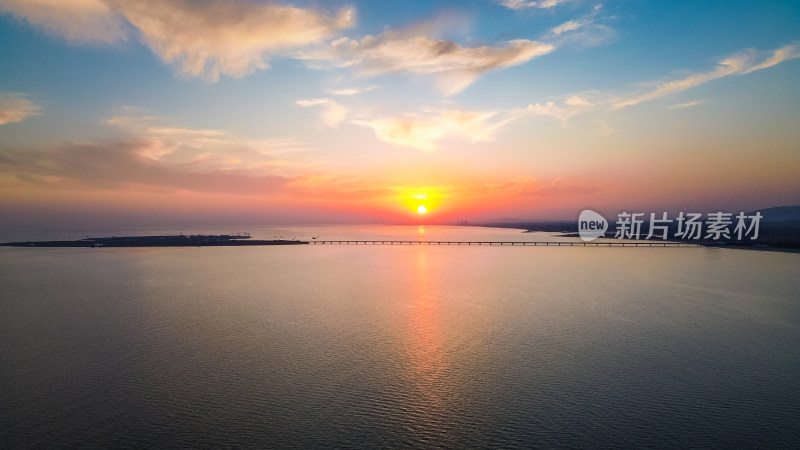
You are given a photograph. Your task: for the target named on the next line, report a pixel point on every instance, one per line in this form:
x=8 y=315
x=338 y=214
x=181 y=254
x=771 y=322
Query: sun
x=422 y=209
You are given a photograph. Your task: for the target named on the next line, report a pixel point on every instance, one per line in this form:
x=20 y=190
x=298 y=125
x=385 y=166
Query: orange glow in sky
x=386 y=127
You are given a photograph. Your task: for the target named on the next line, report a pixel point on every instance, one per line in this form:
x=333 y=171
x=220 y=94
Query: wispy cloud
x=565 y=27
x=14 y=107
x=685 y=105
x=585 y=31
x=571 y=106
x=743 y=63
x=405 y=52
x=77 y=21
x=202 y=39
x=121 y=164
x=202 y=150
x=785 y=53
x=600 y=101
x=352 y=91
x=154 y=155
x=527 y=4
x=423 y=131
x=332 y=114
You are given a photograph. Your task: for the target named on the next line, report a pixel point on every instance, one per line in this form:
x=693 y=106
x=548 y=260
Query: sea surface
x=397 y=346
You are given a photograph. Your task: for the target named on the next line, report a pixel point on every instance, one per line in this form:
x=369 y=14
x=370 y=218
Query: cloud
x=352 y=91
x=785 y=53
x=422 y=132
x=576 y=101
x=743 y=63
x=116 y=165
x=232 y=38
x=550 y=109
x=404 y=52
x=594 y=101
x=202 y=150
x=16 y=108
x=586 y=31
x=685 y=105
x=130 y=120
x=154 y=155
x=332 y=114
x=525 y=4
x=201 y=38
x=572 y=105
x=565 y=27
x=77 y=21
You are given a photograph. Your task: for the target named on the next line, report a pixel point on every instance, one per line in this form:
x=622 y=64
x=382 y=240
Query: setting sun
x=422 y=200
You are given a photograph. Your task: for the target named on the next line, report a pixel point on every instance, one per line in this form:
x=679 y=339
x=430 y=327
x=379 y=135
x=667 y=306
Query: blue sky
x=345 y=110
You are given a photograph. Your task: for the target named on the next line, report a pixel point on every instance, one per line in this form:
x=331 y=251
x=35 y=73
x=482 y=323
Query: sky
x=179 y=112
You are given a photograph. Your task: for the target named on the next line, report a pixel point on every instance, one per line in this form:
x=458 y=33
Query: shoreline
x=224 y=240
x=244 y=239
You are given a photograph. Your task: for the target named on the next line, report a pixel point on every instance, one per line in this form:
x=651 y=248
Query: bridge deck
x=522 y=243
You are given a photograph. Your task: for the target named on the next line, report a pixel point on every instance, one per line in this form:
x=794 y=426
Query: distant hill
x=779 y=213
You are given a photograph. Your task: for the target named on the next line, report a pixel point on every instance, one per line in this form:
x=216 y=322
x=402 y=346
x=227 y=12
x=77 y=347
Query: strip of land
x=775 y=236
x=223 y=240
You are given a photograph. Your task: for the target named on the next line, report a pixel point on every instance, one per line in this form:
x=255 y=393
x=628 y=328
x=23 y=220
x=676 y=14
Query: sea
x=397 y=346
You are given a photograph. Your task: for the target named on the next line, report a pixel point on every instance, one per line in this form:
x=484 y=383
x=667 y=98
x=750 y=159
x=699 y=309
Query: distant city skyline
x=182 y=112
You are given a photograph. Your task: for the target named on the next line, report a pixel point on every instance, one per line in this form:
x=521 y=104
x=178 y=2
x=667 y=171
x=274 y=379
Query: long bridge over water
x=510 y=243
x=241 y=240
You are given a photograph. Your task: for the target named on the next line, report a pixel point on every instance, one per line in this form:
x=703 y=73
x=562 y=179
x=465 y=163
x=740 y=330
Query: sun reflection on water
x=429 y=365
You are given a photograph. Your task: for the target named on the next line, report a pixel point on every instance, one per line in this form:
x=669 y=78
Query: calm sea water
x=389 y=346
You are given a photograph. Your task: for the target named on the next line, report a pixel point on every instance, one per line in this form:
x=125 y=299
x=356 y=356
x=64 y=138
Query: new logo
x=591 y=225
